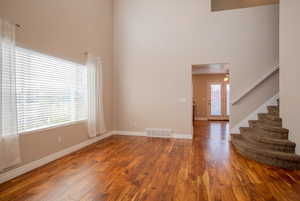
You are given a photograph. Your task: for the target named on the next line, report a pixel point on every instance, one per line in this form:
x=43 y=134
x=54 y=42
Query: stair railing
x=256 y=84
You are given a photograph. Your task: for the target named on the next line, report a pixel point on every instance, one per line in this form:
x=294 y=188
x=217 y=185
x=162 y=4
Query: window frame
x=57 y=125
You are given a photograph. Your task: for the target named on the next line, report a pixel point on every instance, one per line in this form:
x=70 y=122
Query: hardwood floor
x=122 y=168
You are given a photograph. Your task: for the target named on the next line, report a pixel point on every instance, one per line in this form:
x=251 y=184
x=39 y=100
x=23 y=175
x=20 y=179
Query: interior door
x=218 y=101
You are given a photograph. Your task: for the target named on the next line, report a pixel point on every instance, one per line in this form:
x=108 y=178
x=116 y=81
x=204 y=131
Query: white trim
x=59 y=125
x=6 y=176
x=130 y=133
x=143 y=134
x=182 y=136
x=201 y=119
x=43 y=161
x=256 y=84
x=253 y=115
x=190 y=99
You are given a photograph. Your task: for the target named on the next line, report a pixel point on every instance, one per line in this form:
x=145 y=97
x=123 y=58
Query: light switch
x=182 y=100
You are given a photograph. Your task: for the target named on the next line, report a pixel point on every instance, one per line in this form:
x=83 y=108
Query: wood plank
x=123 y=168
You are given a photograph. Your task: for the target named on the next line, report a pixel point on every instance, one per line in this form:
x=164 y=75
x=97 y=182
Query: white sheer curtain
x=96 y=123
x=9 y=139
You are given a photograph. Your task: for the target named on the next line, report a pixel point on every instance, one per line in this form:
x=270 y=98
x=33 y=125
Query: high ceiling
x=218 y=5
x=218 y=68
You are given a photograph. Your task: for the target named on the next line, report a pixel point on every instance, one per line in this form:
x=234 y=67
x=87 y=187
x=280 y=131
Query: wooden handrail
x=256 y=84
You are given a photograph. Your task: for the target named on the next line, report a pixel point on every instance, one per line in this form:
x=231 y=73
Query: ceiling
x=218 y=5
x=218 y=68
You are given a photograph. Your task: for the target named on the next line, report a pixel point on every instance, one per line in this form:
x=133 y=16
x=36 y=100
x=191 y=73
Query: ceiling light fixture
x=226 y=78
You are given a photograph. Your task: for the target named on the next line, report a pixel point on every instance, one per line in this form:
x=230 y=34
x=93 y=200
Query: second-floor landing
x=219 y=5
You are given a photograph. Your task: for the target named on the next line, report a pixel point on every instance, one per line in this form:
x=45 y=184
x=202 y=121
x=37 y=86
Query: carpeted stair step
x=270 y=117
x=254 y=138
x=266 y=141
x=259 y=124
x=270 y=157
x=273 y=135
x=266 y=122
x=271 y=122
x=274 y=110
x=269 y=129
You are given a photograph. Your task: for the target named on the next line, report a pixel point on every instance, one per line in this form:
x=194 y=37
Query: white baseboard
x=130 y=133
x=182 y=136
x=143 y=134
x=43 y=161
x=6 y=176
x=253 y=115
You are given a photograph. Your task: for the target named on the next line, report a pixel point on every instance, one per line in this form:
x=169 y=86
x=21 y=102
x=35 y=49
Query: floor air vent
x=159 y=132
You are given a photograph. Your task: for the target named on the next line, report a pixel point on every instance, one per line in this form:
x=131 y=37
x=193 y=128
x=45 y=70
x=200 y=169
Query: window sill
x=52 y=127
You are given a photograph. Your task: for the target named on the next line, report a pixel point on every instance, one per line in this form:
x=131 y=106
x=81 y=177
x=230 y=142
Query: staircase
x=266 y=141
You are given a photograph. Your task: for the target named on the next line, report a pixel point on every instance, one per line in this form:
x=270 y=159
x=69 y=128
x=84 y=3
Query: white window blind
x=50 y=91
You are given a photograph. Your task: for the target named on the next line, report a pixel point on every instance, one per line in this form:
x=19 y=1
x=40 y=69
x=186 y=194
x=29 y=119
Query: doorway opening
x=211 y=92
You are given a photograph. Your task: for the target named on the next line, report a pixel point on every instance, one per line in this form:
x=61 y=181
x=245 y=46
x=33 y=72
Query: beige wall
x=289 y=68
x=42 y=143
x=252 y=101
x=64 y=29
x=156 y=43
x=200 y=91
x=217 y=5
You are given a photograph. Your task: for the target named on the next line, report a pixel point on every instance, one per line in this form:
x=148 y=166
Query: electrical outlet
x=133 y=124
x=182 y=100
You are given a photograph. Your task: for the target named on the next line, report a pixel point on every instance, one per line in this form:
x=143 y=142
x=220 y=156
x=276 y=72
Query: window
x=50 y=91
